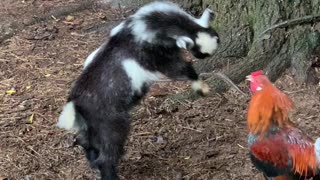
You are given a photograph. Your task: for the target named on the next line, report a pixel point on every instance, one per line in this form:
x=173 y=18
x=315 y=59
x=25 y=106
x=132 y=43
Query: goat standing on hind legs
x=118 y=74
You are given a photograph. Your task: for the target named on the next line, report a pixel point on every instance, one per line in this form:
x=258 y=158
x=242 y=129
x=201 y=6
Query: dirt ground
x=203 y=139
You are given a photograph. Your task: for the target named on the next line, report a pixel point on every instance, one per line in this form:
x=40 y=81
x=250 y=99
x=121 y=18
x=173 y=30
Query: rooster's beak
x=249 y=78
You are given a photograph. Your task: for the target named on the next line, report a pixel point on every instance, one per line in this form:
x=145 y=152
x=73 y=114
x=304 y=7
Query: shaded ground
x=205 y=139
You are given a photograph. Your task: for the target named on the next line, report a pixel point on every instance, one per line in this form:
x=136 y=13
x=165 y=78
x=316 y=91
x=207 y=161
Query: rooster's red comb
x=257 y=73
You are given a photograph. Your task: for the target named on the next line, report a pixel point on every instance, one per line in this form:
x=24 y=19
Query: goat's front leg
x=182 y=69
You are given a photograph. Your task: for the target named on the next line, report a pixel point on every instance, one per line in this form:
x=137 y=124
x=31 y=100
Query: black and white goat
x=118 y=74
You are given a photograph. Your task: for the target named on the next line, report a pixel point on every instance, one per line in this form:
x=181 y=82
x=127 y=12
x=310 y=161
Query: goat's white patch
x=90 y=58
x=184 y=42
x=168 y=7
x=140 y=31
x=158 y=6
x=206 y=42
x=139 y=26
x=138 y=75
x=117 y=29
x=205 y=18
x=317 y=149
x=67 y=117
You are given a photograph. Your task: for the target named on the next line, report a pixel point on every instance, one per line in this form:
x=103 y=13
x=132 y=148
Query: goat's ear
x=206 y=18
x=184 y=42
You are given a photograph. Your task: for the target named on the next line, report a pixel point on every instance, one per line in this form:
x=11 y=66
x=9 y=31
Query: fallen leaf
x=47 y=75
x=157 y=90
x=102 y=16
x=69 y=18
x=11 y=91
x=28 y=87
x=31 y=118
x=77 y=21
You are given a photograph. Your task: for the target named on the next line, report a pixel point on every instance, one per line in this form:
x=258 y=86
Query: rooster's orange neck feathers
x=268 y=106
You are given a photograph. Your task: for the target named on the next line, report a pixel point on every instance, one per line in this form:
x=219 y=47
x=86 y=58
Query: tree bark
x=249 y=44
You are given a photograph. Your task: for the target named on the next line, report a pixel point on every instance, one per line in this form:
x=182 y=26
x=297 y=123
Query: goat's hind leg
x=112 y=136
x=82 y=139
x=107 y=164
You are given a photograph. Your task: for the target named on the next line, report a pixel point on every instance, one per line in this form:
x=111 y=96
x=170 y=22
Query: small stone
x=160 y=140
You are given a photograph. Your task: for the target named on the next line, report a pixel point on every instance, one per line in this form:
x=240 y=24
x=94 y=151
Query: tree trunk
x=247 y=47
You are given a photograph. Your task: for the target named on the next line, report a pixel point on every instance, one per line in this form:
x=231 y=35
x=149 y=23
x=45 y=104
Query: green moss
x=313 y=39
x=251 y=20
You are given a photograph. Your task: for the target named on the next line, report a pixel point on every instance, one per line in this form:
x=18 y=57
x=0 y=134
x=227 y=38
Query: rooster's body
x=285 y=151
x=277 y=147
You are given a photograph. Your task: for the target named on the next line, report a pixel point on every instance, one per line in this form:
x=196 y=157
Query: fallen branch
x=217 y=74
x=225 y=79
x=192 y=129
x=230 y=82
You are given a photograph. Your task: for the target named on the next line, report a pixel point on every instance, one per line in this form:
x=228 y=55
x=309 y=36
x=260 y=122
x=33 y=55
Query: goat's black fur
x=103 y=94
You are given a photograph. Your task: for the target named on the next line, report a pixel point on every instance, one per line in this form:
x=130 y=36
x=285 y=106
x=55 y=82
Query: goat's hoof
x=201 y=88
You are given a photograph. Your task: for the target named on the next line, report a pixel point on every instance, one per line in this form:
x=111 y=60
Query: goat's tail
x=69 y=119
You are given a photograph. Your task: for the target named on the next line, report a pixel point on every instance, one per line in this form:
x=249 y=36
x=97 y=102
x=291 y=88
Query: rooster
x=278 y=148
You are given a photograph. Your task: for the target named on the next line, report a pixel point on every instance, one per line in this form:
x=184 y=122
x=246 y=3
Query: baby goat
x=118 y=74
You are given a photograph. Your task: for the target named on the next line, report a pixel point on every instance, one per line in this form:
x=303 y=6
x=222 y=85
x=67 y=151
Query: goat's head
x=204 y=41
